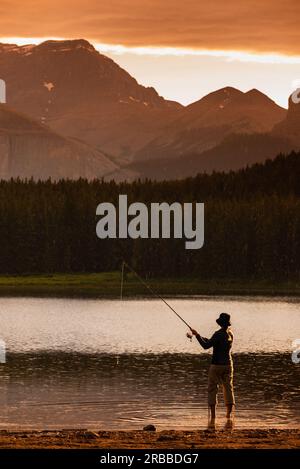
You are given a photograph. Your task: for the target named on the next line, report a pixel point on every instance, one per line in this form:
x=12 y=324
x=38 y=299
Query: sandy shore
x=254 y=438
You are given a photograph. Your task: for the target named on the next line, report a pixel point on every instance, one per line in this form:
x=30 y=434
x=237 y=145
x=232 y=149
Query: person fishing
x=221 y=368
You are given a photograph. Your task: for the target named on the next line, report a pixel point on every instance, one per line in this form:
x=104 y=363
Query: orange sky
x=178 y=31
x=259 y=25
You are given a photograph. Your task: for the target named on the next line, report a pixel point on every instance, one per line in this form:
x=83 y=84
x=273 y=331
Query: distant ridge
x=29 y=149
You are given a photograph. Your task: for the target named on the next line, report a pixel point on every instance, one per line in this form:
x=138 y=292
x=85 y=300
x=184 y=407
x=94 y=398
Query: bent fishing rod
x=157 y=295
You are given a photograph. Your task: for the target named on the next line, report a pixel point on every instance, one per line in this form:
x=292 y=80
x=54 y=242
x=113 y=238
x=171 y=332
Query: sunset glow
x=184 y=50
x=120 y=49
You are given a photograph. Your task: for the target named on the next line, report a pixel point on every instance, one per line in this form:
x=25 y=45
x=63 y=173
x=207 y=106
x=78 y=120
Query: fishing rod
x=157 y=295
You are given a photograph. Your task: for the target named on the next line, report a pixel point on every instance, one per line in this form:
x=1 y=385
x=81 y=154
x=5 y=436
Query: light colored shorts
x=220 y=374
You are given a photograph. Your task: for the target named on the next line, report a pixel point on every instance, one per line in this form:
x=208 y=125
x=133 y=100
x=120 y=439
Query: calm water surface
x=112 y=364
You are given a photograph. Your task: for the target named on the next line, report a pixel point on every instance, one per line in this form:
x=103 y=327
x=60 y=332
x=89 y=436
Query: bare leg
x=229 y=422
x=229 y=410
x=212 y=418
x=212 y=412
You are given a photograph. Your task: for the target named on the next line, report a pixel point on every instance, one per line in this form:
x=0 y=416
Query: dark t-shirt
x=221 y=342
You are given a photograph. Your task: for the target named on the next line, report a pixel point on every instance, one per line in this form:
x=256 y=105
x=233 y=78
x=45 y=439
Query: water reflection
x=63 y=390
x=142 y=326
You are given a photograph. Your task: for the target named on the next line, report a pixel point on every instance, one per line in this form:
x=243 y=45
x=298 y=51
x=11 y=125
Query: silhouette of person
x=221 y=368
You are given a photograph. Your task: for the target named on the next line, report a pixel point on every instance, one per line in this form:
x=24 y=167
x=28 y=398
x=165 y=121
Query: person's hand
x=194 y=332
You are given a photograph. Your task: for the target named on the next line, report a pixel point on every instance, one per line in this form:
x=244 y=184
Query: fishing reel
x=189 y=336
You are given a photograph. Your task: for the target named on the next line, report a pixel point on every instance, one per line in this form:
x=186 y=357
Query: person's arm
x=203 y=341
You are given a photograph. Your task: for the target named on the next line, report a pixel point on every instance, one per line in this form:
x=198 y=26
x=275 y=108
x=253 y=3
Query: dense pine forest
x=252 y=225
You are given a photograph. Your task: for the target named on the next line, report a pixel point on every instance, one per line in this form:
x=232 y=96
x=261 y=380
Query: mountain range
x=73 y=112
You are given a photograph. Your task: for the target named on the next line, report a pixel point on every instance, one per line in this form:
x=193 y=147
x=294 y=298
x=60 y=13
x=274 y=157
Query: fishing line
x=154 y=293
x=157 y=295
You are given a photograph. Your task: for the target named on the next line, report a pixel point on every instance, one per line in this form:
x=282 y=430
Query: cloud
x=228 y=55
x=265 y=26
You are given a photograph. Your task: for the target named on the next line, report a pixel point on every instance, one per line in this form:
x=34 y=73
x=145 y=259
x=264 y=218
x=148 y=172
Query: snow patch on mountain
x=21 y=50
x=49 y=85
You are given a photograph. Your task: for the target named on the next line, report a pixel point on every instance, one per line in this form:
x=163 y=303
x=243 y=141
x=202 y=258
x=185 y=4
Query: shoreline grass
x=107 y=285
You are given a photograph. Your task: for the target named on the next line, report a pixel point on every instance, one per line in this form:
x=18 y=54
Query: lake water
x=123 y=364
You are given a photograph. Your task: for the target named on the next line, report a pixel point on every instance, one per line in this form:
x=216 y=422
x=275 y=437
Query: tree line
x=252 y=225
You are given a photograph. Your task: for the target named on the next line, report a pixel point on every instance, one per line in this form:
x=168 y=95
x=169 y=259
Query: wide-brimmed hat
x=224 y=320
